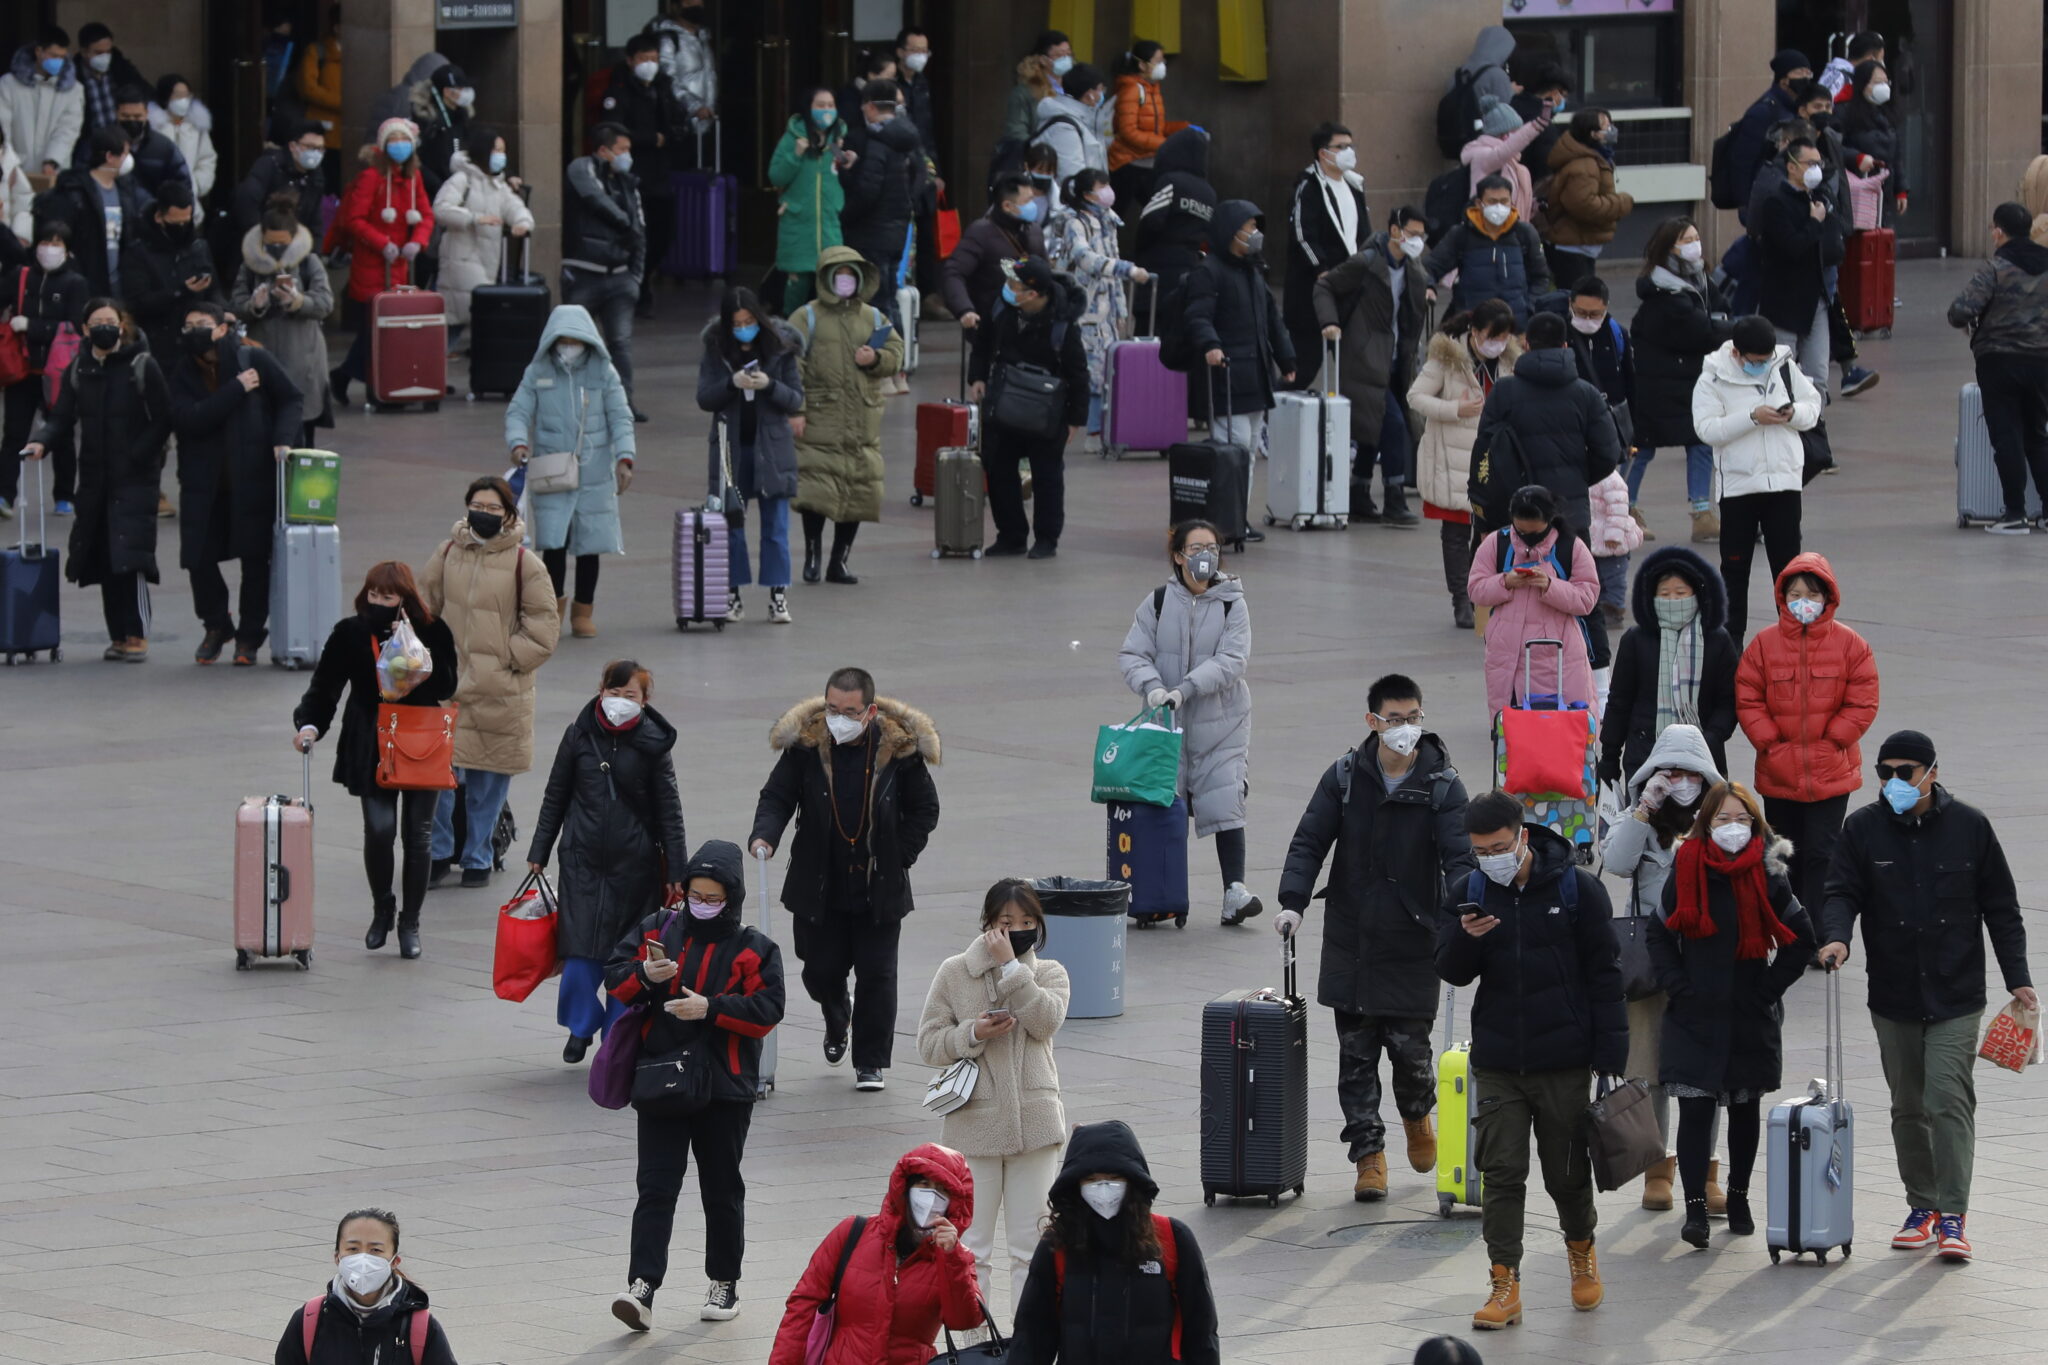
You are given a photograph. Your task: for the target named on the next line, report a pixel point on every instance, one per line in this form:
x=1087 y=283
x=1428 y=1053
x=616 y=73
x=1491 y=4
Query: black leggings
x=1230 y=855
x=843 y=532
x=557 y=562
x=1696 y=1143
x=381 y=824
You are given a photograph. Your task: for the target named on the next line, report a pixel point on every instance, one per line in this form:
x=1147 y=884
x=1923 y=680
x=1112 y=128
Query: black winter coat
x=1402 y=858
x=1723 y=1026
x=1173 y=225
x=157 y=162
x=349 y=660
x=1549 y=996
x=1230 y=307
x=1606 y=361
x=611 y=799
x=883 y=190
x=277 y=169
x=974 y=272
x=75 y=201
x=47 y=299
x=1563 y=432
x=1013 y=337
x=767 y=468
x=227 y=465
x=122 y=411
x=917 y=103
x=650 y=112
x=153 y=275
x=1867 y=130
x=1673 y=332
x=1374 y=353
x=603 y=227
x=1750 y=148
x=1792 y=249
x=1928 y=889
x=378 y=1338
x=1314 y=245
x=1628 y=731
x=1509 y=267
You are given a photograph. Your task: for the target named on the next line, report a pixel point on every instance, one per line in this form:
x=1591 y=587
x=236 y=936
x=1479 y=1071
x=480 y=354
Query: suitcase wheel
x=1821 y=1257
x=1444 y=1203
x=1845 y=1250
x=1963 y=521
x=682 y=623
x=1272 y=1201
x=1209 y=1198
x=1300 y=1190
x=1774 y=1255
x=1343 y=522
x=718 y=625
x=917 y=499
x=305 y=957
x=974 y=553
x=1144 y=924
x=434 y=406
x=1180 y=921
x=1270 y=518
x=938 y=554
x=469 y=397
x=241 y=959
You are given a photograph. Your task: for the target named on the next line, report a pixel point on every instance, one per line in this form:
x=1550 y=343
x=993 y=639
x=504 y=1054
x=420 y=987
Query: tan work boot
x=1371 y=1186
x=1717 y=1201
x=582 y=620
x=1503 y=1306
x=1421 y=1143
x=1657 y=1185
x=1706 y=528
x=1587 y=1291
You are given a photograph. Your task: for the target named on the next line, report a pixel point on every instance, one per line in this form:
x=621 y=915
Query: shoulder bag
x=820 y=1339
x=952 y=1088
x=1621 y=1133
x=14 y=366
x=559 y=471
x=1819 y=454
x=682 y=1081
x=1028 y=399
x=416 y=747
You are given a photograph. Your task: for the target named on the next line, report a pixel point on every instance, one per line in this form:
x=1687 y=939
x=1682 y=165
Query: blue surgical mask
x=1756 y=369
x=824 y=117
x=1009 y=296
x=398 y=151
x=497 y=163
x=53 y=66
x=1029 y=211
x=746 y=333
x=1901 y=795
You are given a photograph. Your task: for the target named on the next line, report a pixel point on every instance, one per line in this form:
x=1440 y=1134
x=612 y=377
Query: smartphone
x=655 y=952
x=998 y=1014
x=750 y=365
x=1526 y=570
x=1471 y=910
x=1785 y=410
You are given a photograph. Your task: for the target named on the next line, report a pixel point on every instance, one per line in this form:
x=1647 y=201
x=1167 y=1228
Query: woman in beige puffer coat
x=1449 y=391
x=1012 y=1127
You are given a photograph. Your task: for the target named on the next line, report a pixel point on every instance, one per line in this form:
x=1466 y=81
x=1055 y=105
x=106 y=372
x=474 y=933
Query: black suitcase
x=506 y=320
x=1211 y=480
x=1255 y=1091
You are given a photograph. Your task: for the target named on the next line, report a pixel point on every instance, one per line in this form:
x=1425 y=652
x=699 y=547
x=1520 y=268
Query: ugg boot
x=1421 y=1143
x=1503 y=1306
x=381 y=916
x=1695 y=1229
x=1657 y=1185
x=1717 y=1202
x=1636 y=514
x=1371 y=1185
x=1587 y=1291
x=583 y=620
x=1706 y=527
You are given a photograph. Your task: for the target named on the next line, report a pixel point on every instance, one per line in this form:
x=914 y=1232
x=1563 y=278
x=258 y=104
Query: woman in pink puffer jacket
x=1516 y=572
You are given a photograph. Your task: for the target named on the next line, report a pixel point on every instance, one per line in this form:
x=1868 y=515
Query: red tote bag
x=525 y=954
x=946 y=227
x=1547 y=752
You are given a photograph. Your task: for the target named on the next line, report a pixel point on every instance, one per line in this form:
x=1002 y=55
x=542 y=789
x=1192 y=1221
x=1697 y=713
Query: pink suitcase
x=1145 y=405
x=703 y=563
x=408 y=347
x=274 y=876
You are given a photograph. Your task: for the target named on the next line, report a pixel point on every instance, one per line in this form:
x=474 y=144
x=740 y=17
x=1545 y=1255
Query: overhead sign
x=1583 y=9
x=476 y=13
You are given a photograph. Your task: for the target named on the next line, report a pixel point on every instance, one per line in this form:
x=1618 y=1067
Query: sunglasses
x=1903 y=771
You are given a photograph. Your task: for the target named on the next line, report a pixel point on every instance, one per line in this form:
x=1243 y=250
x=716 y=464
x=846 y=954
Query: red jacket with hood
x=1805 y=695
x=381 y=185
x=889 y=1312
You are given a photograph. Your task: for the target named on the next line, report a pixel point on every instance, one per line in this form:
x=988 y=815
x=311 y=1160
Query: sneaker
x=65 y=507
x=1856 y=379
x=721 y=1302
x=210 y=646
x=735 y=610
x=1239 y=904
x=473 y=877
x=1253 y=535
x=635 y=1307
x=778 y=608
x=245 y=656
x=835 y=1049
x=1950 y=1243
x=869 y=1080
x=2010 y=526
x=1919 y=1232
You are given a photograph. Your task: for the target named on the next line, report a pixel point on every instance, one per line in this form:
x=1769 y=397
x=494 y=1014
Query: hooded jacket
x=1629 y=729
x=768 y=467
x=122 y=411
x=1015 y=1107
x=382 y=187
x=2005 y=304
x=1202 y=647
x=293 y=334
x=807 y=215
x=1399 y=855
x=1450 y=375
x=1749 y=140
x=1488 y=62
x=1503 y=156
x=41 y=117
x=1082 y=239
x=1504 y=263
x=1793 y=252
x=1564 y=438
x=1633 y=851
x=1140 y=122
x=275 y=169
x=343 y=1336
x=839 y=456
x=1522 y=615
x=1230 y=308
x=1012 y=336
x=580 y=407
x=653 y=115
x=473 y=252
x=1723 y=1030
x=1078 y=133
x=154 y=268
x=1584 y=205
x=883 y=189
x=1549 y=996
x=902 y=804
x=889 y=1311
x=1316 y=243
x=227 y=438
x=193 y=137
x=1382 y=331
x=1672 y=334
x=1106 y=1311
x=1173 y=226
x=1805 y=696
x=974 y=272
x=604 y=231
x=611 y=800
x=157 y=162
x=500 y=606
x=348 y=661
x=1749 y=458
x=690 y=61
x=75 y=200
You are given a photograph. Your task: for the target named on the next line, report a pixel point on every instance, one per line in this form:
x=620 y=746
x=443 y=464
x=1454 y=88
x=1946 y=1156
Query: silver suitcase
x=1979 y=498
x=305 y=587
x=1810 y=1153
x=1308 y=448
x=909 y=304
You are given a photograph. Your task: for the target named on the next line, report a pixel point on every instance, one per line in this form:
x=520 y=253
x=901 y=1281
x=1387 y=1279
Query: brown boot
x=1586 y=1288
x=1421 y=1143
x=582 y=620
x=1717 y=1202
x=1657 y=1185
x=1371 y=1185
x=1706 y=528
x=1503 y=1306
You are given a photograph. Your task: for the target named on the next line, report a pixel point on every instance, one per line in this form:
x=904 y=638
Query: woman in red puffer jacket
x=1805 y=692
x=907 y=1275
x=387 y=220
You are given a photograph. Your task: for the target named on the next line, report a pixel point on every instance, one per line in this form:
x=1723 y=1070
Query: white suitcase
x=305 y=587
x=1308 y=477
x=909 y=303
x=1979 y=496
x=1810 y=1156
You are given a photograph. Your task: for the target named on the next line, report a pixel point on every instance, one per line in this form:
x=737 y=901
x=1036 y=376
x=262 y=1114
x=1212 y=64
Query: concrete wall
x=1728 y=49
x=1993 y=134
x=157 y=35
x=1398 y=57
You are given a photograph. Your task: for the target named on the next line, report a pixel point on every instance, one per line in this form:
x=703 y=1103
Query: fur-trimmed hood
x=906 y=731
x=1778 y=857
x=1689 y=565
x=25 y=69
x=258 y=260
x=199 y=117
x=1447 y=350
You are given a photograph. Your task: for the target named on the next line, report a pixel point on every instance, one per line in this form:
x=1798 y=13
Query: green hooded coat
x=808 y=220
x=839 y=456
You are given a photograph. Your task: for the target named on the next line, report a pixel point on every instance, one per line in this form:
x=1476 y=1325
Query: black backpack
x=1443 y=203
x=1176 y=348
x=1722 y=190
x=1457 y=113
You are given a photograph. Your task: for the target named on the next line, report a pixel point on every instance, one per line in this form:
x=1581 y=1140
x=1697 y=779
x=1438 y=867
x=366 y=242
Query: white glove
x=1286 y=922
x=391 y=251
x=18 y=323
x=1654 y=792
x=410 y=250
x=1155 y=698
x=1173 y=699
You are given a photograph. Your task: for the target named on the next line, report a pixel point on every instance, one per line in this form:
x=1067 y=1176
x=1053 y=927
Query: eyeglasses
x=1600 y=316
x=705 y=901
x=494 y=508
x=1409 y=718
x=1903 y=771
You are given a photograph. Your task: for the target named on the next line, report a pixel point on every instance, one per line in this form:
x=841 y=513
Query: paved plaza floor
x=176 y=1139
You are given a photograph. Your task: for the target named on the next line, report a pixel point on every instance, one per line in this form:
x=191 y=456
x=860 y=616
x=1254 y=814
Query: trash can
x=1084 y=932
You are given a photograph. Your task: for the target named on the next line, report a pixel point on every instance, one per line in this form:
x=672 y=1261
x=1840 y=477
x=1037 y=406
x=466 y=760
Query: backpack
x=415 y=1332
x=1439 y=790
x=1457 y=113
x=1159 y=602
x=1722 y=191
x=1567 y=889
x=1169 y=1263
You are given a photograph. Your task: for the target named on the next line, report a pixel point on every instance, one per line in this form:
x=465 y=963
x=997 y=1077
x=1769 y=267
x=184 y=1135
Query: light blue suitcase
x=1810 y=1152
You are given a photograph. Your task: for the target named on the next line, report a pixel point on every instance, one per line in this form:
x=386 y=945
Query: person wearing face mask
x=1189 y=648
x=884 y=186
x=114 y=395
x=1749 y=146
x=1799 y=244
x=605 y=243
x=1742 y=407
x=483 y=217
x=1496 y=253
x=873 y=64
x=1536 y=932
x=36 y=299
x=169 y=268
x=42 y=103
x=158 y=161
x=178 y=115
x=1504 y=139
x=1111 y=1281
x=690 y=61
x=296 y=166
x=282 y=293
x=1840 y=71
x=1374 y=305
x=854 y=770
x=1038 y=76
x=898 y=1275
x=2008 y=321
x=1468 y=354
x=1074 y=122
x=500 y=604
x=998 y=1004
x=640 y=98
x=440 y=106
x=105 y=75
x=387 y=217
x=348 y=662
x=1233 y=323
x=1731 y=940
x=1928 y=878
x=104 y=207
x=1582 y=206
x=751 y=380
x=1173 y=234
x=1606 y=360
x=1680 y=319
x=1082 y=239
x=1545 y=425
x=839 y=441
x=1675 y=665
x=371 y=1311
x=1394 y=809
x=1328 y=223
x=1013 y=227
x=913 y=55
x=1817 y=112
x=1032 y=326
x=611 y=801
x=805 y=173
x=1869 y=128
x=1139 y=125
x=1536 y=575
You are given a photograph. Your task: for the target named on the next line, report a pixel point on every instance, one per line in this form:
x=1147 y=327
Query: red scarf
x=1757 y=925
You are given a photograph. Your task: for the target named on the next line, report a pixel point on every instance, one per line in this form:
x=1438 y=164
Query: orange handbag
x=416 y=747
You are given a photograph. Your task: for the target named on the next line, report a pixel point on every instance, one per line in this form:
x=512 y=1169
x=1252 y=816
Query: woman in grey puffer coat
x=1189 y=647
x=751 y=381
x=281 y=291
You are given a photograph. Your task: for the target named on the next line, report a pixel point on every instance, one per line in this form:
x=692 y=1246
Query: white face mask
x=1500 y=868
x=620 y=710
x=1684 y=790
x=926 y=1204
x=1402 y=739
x=1062 y=65
x=1811 y=177
x=1806 y=610
x=1732 y=838
x=1106 y=1197
x=181 y=106
x=363 y=1274
x=311 y=159
x=1344 y=158
x=1587 y=326
x=1158 y=71
x=1496 y=214
x=127 y=164
x=465 y=97
x=1493 y=348
x=1412 y=247
x=101 y=62
x=50 y=257
x=1879 y=92
x=914 y=62
x=845 y=729
x=1691 y=252
x=569 y=352
x=646 y=71
x=497 y=161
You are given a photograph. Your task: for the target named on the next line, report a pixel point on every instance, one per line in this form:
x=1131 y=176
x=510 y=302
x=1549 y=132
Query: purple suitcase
x=707 y=242
x=1145 y=404
x=703 y=559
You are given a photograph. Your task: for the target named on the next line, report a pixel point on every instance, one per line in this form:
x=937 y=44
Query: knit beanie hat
x=403 y=127
x=1497 y=118
x=1910 y=745
x=1788 y=60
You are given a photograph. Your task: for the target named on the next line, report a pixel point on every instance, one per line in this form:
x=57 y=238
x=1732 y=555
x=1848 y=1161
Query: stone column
x=1394 y=61
x=536 y=118
x=379 y=40
x=1728 y=48
x=1993 y=132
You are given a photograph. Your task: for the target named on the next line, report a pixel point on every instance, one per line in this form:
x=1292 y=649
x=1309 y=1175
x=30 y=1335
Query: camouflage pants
x=1361 y=1038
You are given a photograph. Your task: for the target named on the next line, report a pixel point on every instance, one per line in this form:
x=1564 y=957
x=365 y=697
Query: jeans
x=407 y=818
x=1017 y=1186
x=841 y=945
x=124 y=600
x=1506 y=1107
x=1775 y=517
x=1699 y=475
x=1394 y=453
x=483 y=795
x=1002 y=452
x=1361 y=1038
x=1810 y=347
x=2015 y=393
x=718 y=1136
x=210 y=599
x=1094 y=413
x=1930 y=1070
x=1814 y=827
x=1613 y=579
x=885 y=293
x=611 y=300
x=773 y=515
x=582 y=1005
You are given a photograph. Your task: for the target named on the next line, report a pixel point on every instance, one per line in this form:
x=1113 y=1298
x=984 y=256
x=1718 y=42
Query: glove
x=1173 y=699
x=390 y=252
x=1655 y=791
x=18 y=323
x=1286 y=922
x=1155 y=699
x=410 y=250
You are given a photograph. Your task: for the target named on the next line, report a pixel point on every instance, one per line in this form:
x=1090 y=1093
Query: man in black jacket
x=1563 y=436
x=1929 y=880
x=1233 y=323
x=1328 y=222
x=1013 y=228
x=1798 y=243
x=158 y=162
x=167 y=270
x=1035 y=324
x=1373 y=305
x=1394 y=807
x=1548 y=1014
x=104 y=208
x=294 y=166
x=883 y=188
x=604 y=243
x=104 y=71
x=641 y=100
x=1173 y=225
x=853 y=771
x=1749 y=146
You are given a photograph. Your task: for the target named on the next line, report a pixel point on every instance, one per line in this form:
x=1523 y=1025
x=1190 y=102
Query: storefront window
x=1619 y=56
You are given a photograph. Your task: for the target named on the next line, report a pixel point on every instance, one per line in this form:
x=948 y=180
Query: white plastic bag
x=403 y=663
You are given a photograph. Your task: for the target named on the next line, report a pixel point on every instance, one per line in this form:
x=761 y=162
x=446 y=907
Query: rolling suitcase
x=506 y=320
x=702 y=567
x=959 y=506
x=909 y=311
x=945 y=425
x=1810 y=1153
x=768 y=1048
x=305 y=586
x=1148 y=848
x=1308 y=474
x=1866 y=284
x=408 y=348
x=1979 y=495
x=1457 y=1141
x=29 y=580
x=1144 y=404
x=1255 y=1091
x=274 y=876
x=707 y=241
x=1210 y=480
x=1576 y=819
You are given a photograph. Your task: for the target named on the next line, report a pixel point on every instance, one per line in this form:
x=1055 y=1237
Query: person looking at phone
x=1750 y=404
x=998 y=1005
x=1537 y=577
x=750 y=379
x=1548 y=1013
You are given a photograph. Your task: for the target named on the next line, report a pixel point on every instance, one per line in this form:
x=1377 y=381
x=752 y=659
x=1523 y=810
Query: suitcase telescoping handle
x=1209 y=387
x=525 y=259
x=1831 y=1065
x=1287 y=967
x=1450 y=1017
x=306 y=777
x=1528 y=658
x=1330 y=355
x=42 y=513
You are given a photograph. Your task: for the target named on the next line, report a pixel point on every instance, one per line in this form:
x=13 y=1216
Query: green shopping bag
x=1138 y=760
x=312 y=487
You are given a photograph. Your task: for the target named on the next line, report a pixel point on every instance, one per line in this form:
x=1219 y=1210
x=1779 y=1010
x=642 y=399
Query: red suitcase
x=408 y=347
x=946 y=425
x=1869 y=272
x=274 y=876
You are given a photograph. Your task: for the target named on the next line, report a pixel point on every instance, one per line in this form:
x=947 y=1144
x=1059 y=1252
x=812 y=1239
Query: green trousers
x=1930 y=1070
x=1508 y=1106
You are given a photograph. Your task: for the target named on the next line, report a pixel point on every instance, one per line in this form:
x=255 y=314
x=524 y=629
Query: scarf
x=1679 y=647
x=392 y=1290
x=1758 y=928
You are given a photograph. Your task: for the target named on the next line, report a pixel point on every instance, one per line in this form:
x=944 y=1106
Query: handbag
x=820 y=1339
x=416 y=747
x=559 y=471
x=1638 y=978
x=946 y=227
x=611 y=1070
x=1818 y=454
x=1138 y=761
x=14 y=366
x=63 y=350
x=525 y=954
x=1028 y=399
x=994 y=1347
x=677 y=1083
x=952 y=1088
x=1621 y=1133
x=2013 y=1040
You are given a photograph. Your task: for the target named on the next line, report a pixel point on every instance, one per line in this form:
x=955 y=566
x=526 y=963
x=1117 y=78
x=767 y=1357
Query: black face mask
x=176 y=233
x=197 y=340
x=276 y=250
x=1023 y=941
x=486 y=524
x=105 y=335
x=135 y=128
x=379 y=619
x=1821 y=121
x=1532 y=541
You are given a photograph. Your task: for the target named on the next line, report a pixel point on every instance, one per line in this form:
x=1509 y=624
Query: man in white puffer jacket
x=42 y=105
